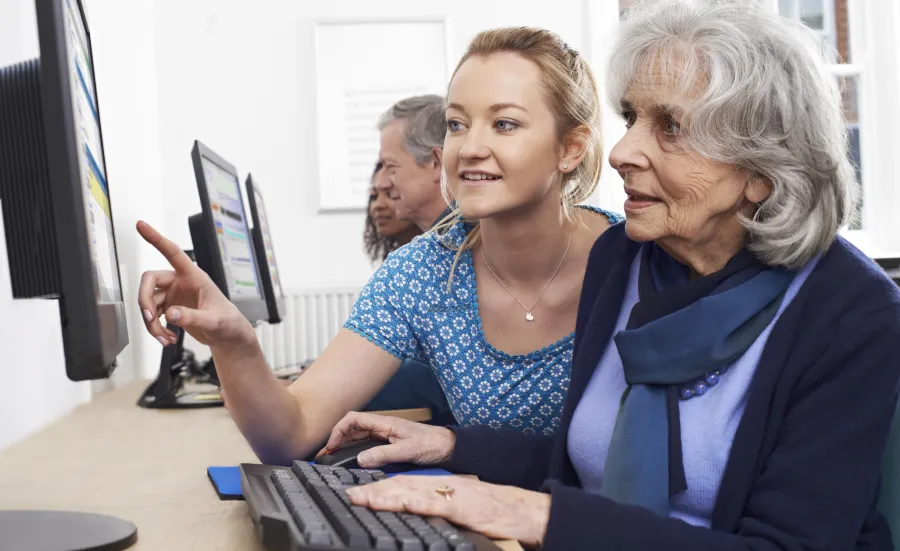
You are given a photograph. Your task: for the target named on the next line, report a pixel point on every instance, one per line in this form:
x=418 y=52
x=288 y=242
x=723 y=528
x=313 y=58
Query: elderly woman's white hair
x=760 y=98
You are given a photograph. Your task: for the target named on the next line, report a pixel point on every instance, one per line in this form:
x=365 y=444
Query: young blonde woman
x=489 y=301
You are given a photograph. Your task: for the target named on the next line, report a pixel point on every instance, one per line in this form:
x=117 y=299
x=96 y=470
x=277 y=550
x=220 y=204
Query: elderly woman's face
x=675 y=196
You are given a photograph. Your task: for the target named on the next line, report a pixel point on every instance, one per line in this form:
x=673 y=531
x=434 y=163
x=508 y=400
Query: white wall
x=34 y=389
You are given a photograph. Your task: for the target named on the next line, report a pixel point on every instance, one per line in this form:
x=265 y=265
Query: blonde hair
x=572 y=93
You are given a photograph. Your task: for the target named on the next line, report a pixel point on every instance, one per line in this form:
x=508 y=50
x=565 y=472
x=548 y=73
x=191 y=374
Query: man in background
x=412 y=146
x=412 y=142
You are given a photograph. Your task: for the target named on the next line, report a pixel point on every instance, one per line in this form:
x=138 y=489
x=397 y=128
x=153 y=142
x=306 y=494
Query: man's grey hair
x=761 y=98
x=426 y=124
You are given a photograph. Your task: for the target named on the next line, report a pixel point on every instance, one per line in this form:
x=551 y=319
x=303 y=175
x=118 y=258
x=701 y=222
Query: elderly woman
x=735 y=369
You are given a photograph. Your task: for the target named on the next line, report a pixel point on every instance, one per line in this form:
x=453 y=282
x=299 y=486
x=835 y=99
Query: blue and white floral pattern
x=407 y=310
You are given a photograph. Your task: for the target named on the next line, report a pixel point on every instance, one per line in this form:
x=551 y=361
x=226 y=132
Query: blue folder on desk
x=227 y=480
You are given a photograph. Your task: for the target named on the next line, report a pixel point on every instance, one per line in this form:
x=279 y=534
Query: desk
x=146 y=466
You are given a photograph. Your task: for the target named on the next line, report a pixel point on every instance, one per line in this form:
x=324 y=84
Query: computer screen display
x=92 y=165
x=232 y=233
x=267 y=241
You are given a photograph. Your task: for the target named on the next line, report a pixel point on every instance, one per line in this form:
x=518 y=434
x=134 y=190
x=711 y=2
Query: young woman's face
x=381 y=209
x=501 y=151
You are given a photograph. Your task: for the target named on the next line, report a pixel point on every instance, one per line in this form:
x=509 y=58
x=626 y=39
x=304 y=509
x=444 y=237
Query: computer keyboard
x=305 y=508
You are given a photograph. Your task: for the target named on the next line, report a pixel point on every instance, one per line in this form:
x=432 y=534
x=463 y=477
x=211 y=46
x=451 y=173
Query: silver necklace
x=529 y=316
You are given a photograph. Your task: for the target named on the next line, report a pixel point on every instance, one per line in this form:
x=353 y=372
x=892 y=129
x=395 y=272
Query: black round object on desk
x=64 y=531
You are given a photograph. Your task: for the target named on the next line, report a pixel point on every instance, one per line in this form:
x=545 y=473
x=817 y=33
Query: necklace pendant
x=528 y=316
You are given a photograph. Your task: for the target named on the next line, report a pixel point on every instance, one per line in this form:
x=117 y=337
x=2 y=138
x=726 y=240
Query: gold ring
x=445 y=491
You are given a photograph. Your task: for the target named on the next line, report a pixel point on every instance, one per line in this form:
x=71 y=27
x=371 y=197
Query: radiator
x=311 y=319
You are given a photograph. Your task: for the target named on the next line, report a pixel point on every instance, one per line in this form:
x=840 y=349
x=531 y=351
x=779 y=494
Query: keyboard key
x=311 y=483
x=305 y=472
x=370 y=523
x=307 y=517
x=451 y=534
x=365 y=516
x=345 y=476
x=286 y=481
x=301 y=468
x=343 y=522
x=385 y=542
x=393 y=523
x=421 y=528
x=411 y=543
x=405 y=538
x=364 y=478
x=318 y=538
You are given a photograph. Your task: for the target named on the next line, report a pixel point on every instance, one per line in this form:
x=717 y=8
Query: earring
x=565 y=167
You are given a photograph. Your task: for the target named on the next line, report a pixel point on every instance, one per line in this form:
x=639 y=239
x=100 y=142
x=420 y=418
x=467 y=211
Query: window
x=818 y=15
x=831 y=20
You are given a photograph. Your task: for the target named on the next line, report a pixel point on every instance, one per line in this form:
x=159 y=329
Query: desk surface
x=146 y=466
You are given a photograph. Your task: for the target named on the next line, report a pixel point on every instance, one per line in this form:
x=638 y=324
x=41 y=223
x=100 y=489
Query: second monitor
x=221 y=234
x=265 y=252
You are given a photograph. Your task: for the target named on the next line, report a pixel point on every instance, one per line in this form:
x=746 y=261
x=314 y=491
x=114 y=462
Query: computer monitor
x=56 y=200
x=60 y=239
x=223 y=249
x=221 y=234
x=265 y=252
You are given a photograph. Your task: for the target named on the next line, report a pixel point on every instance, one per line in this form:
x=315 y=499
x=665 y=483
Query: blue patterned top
x=407 y=310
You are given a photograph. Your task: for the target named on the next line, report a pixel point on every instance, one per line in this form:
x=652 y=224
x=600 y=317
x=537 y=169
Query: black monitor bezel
x=274 y=302
x=255 y=310
x=93 y=334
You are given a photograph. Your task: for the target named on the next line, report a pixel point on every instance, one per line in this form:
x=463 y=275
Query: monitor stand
x=176 y=365
x=64 y=531
x=175 y=368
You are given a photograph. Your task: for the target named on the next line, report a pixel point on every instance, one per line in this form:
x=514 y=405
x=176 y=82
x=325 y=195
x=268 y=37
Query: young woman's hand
x=189 y=299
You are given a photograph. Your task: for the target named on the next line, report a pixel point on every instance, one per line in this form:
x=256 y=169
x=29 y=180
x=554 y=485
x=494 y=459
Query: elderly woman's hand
x=408 y=442
x=499 y=512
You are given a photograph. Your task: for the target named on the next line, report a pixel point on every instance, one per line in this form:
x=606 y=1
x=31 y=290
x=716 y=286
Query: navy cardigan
x=804 y=467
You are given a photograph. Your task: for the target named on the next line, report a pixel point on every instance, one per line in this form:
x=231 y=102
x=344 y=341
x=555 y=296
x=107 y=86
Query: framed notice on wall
x=362 y=68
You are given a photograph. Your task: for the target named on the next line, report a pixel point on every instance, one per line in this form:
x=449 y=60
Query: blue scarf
x=678 y=331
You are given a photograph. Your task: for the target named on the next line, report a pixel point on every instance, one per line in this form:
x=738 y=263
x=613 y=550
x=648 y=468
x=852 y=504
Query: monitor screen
x=92 y=165
x=232 y=233
x=267 y=241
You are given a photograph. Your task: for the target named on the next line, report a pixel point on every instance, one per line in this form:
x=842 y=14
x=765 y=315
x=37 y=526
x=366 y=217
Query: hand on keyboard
x=500 y=512
x=325 y=518
x=410 y=442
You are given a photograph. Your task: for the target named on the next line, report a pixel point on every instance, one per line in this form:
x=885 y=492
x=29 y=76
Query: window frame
x=875 y=64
